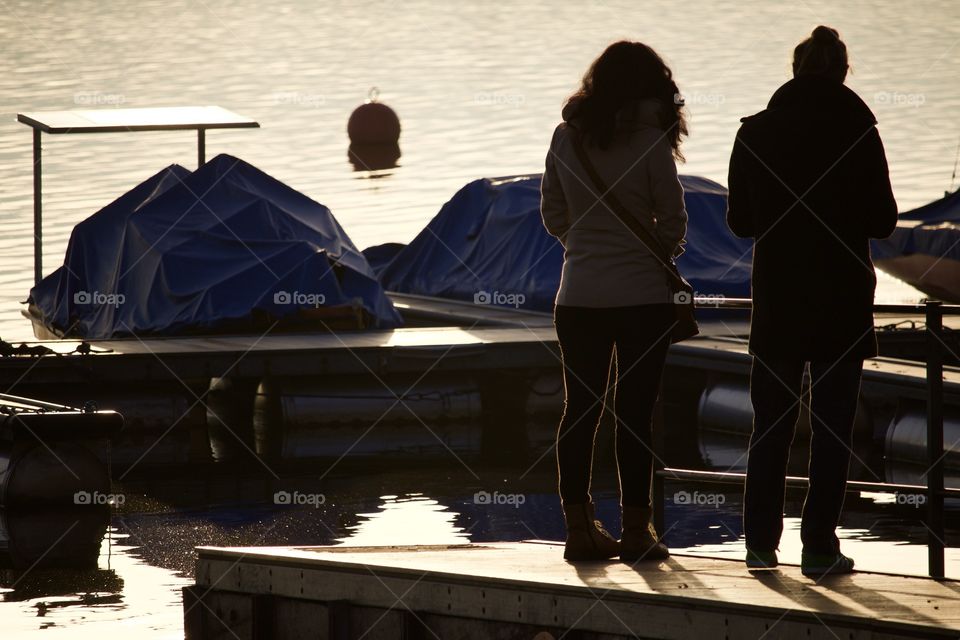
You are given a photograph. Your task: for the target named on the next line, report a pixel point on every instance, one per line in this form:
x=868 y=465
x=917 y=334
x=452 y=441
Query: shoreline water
x=146 y=556
x=494 y=121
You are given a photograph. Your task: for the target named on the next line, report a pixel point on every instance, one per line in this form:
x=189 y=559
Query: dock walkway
x=398 y=350
x=526 y=590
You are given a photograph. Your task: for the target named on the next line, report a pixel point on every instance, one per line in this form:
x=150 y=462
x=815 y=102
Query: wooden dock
x=397 y=350
x=460 y=334
x=193 y=399
x=527 y=590
x=526 y=340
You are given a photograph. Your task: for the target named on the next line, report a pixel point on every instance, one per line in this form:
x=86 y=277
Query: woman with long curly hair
x=622 y=127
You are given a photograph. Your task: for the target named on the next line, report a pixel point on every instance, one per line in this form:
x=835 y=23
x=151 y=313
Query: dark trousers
x=636 y=338
x=774 y=390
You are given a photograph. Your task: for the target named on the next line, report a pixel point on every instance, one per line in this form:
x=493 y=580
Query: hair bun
x=825 y=34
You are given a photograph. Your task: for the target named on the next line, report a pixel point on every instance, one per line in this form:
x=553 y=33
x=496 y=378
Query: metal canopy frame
x=115 y=121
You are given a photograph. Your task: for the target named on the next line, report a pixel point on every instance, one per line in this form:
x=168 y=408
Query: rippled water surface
x=146 y=556
x=478 y=87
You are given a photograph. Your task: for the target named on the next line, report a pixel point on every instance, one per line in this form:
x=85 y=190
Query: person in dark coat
x=809 y=182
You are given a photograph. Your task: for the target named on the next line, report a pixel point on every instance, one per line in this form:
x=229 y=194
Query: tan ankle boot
x=639 y=540
x=586 y=537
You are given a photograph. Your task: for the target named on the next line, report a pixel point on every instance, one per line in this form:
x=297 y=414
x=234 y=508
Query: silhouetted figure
x=809 y=181
x=614 y=302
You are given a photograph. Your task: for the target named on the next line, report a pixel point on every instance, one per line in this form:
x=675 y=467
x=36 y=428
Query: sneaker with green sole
x=815 y=565
x=761 y=559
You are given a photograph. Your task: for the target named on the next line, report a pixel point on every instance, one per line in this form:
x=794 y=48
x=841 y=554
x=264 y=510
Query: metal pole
x=935 y=532
x=201 y=146
x=37 y=212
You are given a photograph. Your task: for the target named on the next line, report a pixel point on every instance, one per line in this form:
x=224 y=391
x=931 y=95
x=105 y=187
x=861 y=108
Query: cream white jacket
x=605 y=264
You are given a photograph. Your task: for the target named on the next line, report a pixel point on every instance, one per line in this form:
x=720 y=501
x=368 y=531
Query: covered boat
x=487 y=245
x=225 y=248
x=924 y=250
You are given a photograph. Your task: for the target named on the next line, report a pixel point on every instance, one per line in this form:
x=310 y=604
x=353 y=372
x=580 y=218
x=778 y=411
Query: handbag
x=686 y=321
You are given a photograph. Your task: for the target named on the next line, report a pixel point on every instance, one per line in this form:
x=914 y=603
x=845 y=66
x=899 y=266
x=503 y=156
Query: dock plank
x=667 y=599
x=419 y=337
x=466 y=313
x=345 y=353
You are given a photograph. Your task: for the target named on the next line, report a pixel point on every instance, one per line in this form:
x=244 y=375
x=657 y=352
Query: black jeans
x=638 y=337
x=774 y=390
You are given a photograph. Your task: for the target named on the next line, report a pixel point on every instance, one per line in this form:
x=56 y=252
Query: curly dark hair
x=625 y=72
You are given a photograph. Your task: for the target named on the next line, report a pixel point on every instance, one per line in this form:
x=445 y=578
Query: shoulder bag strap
x=616 y=207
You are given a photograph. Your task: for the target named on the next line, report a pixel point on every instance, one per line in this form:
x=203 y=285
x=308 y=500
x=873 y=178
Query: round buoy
x=373 y=122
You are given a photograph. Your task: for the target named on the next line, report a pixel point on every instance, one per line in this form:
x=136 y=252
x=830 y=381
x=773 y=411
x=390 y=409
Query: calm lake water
x=146 y=556
x=478 y=88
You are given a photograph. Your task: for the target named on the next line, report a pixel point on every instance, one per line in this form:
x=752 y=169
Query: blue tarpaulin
x=716 y=262
x=196 y=251
x=489 y=239
x=924 y=249
x=946 y=209
x=933 y=230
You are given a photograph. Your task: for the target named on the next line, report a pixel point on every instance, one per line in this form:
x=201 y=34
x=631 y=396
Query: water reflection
x=46 y=554
x=43 y=538
x=60 y=568
x=132 y=572
x=89 y=603
x=374 y=158
x=410 y=519
x=72 y=586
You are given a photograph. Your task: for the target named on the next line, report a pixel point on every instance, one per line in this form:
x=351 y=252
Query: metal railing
x=933 y=311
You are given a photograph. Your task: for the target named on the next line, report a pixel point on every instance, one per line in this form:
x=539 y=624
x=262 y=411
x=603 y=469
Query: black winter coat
x=809 y=182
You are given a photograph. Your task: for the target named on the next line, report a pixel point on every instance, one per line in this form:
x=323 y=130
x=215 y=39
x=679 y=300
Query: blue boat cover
x=194 y=251
x=946 y=209
x=933 y=229
x=380 y=254
x=488 y=244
